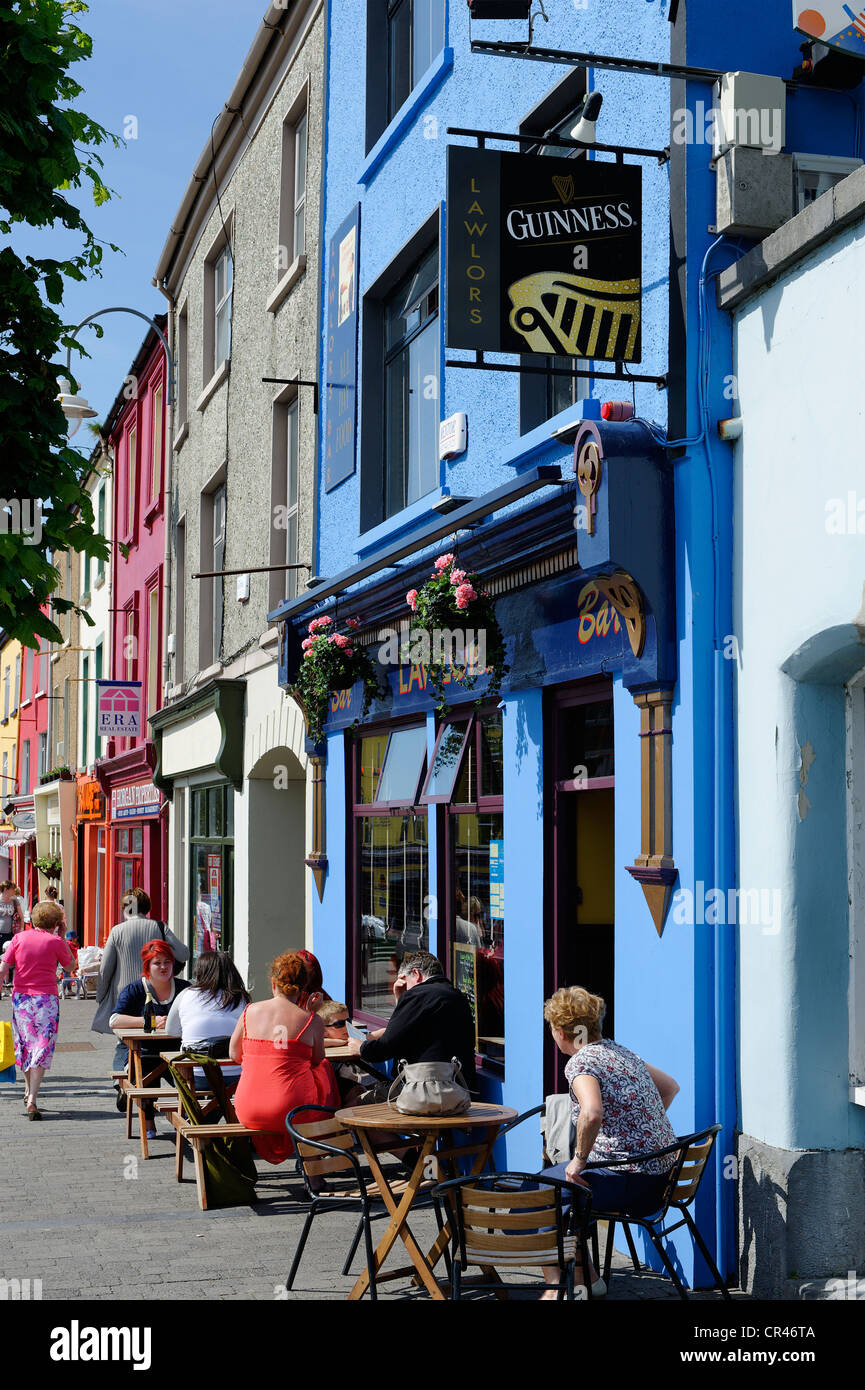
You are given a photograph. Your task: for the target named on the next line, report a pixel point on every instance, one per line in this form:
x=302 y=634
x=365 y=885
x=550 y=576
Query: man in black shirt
x=432 y=1021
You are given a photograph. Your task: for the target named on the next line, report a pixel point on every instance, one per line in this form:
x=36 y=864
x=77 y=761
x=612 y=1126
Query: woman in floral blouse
x=619 y=1106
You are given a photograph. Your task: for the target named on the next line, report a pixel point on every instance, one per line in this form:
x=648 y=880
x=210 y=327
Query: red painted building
x=137 y=814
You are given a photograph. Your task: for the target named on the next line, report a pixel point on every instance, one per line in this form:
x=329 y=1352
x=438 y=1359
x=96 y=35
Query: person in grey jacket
x=121 y=960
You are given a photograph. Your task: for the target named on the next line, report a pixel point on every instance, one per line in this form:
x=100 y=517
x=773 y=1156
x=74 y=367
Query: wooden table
x=430 y=1130
x=138 y=1081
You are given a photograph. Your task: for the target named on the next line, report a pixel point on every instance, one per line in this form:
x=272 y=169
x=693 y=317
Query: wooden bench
x=136 y=1099
x=199 y=1136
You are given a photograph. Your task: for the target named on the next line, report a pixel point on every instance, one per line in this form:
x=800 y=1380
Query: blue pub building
x=567 y=832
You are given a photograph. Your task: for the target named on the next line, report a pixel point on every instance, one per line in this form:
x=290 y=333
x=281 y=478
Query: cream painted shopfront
x=230 y=760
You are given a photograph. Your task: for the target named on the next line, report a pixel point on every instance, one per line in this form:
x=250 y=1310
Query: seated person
x=281 y=1045
x=158 y=987
x=432 y=1021
x=205 y=1015
x=352 y=1081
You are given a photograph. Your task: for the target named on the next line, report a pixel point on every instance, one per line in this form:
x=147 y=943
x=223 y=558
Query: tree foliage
x=47 y=149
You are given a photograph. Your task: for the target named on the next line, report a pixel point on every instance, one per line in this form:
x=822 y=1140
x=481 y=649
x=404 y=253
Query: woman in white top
x=205 y=1015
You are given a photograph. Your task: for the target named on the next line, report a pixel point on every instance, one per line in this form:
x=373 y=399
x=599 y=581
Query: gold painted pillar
x=317 y=858
x=654 y=868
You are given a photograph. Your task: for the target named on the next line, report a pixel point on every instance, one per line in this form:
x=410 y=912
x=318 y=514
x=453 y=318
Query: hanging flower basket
x=452 y=601
x=331 y=661
x=49 y=865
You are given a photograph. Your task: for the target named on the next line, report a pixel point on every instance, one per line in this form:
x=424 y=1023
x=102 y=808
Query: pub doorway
x=580 y=796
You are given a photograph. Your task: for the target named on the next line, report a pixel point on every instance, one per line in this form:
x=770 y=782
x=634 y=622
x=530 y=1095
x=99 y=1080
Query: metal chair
x=496 y=1223
x=325 y=1151
x=683 y=1181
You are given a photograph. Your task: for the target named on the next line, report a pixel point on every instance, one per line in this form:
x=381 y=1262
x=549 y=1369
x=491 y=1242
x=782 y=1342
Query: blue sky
x=170 y=64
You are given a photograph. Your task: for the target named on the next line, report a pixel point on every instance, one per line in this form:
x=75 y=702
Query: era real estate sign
x=118 y=709
x=544 y=255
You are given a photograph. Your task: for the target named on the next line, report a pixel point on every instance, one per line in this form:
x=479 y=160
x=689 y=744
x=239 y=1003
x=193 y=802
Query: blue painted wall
x=675 y=994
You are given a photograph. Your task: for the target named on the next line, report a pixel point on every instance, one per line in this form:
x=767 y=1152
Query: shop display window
x=211 y=851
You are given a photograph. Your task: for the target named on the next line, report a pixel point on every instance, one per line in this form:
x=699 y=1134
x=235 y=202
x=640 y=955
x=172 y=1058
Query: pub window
x=391 y=861
x=411 y=372
x=212 y=868
x=404 y=38
x=467 y=777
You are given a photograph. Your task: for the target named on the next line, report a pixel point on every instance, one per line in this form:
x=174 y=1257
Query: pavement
x=83 y=1214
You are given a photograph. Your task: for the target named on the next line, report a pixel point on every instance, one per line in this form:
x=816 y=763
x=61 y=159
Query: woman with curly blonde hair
x=620 y=1108
x=280 y=1043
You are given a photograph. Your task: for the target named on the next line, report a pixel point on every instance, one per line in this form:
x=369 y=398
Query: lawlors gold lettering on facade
x=576 y=315
x=475 y=270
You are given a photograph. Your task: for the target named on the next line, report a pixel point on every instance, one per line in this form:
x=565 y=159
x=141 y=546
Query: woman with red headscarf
x=158 y=986
x=280 y=1042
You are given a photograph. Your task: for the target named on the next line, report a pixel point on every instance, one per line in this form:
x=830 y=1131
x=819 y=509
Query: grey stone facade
x=229 y=416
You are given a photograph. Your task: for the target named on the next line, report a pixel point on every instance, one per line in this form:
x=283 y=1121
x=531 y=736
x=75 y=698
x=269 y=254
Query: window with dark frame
x=211 y=853
x=218 y=564
x=411 y=396
x=467 y=779
x=284 y=499
x=391 y=863
x=415 y=36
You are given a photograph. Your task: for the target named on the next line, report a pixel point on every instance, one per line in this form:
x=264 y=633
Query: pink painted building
x=32 y=763
x=137 y=813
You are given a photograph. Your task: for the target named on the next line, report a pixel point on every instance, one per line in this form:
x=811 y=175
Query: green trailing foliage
x=332 y=661
x=47 y=149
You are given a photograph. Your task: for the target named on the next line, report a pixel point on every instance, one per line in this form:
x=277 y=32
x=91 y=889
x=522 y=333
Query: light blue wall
x=798 y=591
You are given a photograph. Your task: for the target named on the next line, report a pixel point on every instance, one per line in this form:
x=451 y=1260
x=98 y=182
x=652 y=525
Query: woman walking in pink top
x=35 y=1004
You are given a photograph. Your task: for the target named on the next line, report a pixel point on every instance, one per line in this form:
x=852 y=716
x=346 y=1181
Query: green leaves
x=46 y=146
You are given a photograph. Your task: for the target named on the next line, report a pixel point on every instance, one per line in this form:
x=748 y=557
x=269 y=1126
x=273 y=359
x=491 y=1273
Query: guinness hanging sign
x=544 y=255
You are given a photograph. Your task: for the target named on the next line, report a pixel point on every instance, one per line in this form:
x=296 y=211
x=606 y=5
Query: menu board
x=466 y=978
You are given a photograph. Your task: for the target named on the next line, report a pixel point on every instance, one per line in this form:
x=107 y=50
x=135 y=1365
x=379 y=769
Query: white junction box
x=750 y=112
x=453 y=435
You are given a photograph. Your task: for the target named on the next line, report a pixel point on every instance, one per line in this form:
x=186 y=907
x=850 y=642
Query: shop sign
x=544 y=255
x=834 y=23
x=118 y=709
x=139 y=799
x=90 y=801
x=340 y=400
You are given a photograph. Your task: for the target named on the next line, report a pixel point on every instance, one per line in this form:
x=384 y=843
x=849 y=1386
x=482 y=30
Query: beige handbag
x=430 y=1088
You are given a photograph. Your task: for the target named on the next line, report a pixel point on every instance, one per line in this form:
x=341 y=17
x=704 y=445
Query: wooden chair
x=497 y=1224
x=335 y=1181
x=692 y=1154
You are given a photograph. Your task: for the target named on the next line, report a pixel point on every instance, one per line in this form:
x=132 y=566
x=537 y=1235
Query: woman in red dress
x=280 y=1043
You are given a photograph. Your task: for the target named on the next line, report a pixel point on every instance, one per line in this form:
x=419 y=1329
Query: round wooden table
x=431 y=1130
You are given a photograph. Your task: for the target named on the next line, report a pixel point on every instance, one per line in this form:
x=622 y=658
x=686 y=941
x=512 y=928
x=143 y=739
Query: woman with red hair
x=157 y=984
x=281 y=1045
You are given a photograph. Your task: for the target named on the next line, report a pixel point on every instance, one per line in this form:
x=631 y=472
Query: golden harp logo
x=576 y=316
x=564 y=187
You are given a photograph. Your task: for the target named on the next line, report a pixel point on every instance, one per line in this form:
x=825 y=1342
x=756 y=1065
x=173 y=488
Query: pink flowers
x=319 y=622
x=443 y=561
x=465 y=594
x=340 y=640
x=411 y=599
x=307 y=643
x=352 y=623
x=457 y=576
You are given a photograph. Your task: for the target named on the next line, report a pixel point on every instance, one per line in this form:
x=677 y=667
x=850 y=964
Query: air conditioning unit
x=815 y=174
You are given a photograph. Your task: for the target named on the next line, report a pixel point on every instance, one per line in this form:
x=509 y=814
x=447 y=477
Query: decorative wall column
x=654 y=868
x=317 y=858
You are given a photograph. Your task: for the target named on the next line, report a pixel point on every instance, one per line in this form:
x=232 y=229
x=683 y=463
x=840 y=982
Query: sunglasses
x=340 y=1023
